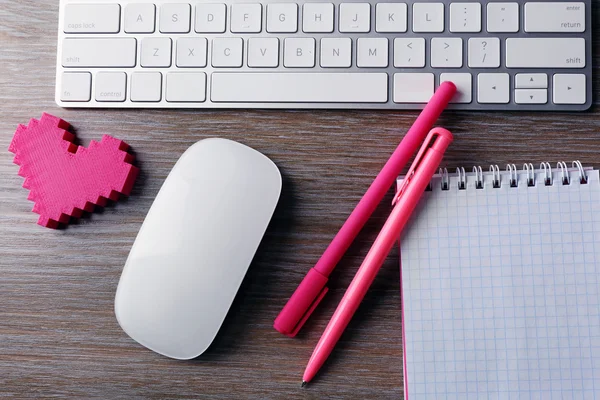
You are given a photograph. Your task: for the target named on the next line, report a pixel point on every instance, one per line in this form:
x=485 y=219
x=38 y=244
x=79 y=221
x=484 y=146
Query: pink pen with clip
x=418 y=177
x=313 y=287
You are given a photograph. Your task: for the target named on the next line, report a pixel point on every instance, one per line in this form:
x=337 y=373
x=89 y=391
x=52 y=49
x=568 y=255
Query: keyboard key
x=463 y=82
x=493 y=88
x=210 y=18
x=554 y=17
x=545 y=53
x=191 y=52
x=299 y=52
x=76 y=86
x=282 y=18
x=317 y=17
x=139 y=18
x=465 y=17
x=336 y=52
x=355 y=17
x=531 y=96
x=314 y=87
x=263 y=52
x=227 y=52
x=484 y=53
x=155 y=52
x=413 y=88
x=409 y=52
x=111 y=86
x=531 y=81
x=372 y=52
x=99 y=52
x=428 y=17
x=568 y=89
x=175 y=18
x=146 y=86
x=391 y=17
x=503 y=17
x=92 y=18
x=446 y=52
x=246 y=18
x=186 y=87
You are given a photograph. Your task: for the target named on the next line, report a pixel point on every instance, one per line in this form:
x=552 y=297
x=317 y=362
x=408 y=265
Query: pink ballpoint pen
x=312 y=289
x=417 y=178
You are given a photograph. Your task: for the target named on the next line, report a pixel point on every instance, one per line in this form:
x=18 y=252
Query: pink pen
x=312 y=289
x=418 y=177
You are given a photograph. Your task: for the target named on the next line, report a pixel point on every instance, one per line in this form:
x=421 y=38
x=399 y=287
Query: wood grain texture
x=58 y=333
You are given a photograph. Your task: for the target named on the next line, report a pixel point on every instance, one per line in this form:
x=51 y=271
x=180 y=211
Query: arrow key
x=493 y=88
x=531 y=96
x=531 y=81
x=569 y=89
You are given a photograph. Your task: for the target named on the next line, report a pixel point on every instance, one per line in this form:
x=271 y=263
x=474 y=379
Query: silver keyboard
x=520 y=55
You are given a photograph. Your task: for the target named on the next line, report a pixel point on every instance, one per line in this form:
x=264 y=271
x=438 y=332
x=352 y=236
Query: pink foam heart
x=64 y=179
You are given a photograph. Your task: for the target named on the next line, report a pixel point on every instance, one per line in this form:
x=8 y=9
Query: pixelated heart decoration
x=65 y=179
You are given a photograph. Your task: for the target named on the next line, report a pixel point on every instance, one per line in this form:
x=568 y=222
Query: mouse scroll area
x=195 y=246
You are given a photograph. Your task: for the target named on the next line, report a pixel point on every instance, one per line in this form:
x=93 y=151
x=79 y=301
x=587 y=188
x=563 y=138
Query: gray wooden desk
x=58 y=333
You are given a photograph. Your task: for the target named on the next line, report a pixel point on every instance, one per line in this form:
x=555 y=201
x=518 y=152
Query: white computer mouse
x=195 y=246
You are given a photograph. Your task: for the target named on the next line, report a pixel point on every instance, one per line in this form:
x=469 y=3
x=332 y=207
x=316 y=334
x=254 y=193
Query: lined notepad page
x=500 y=291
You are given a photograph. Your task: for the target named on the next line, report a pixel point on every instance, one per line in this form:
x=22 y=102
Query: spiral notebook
x=500 y=281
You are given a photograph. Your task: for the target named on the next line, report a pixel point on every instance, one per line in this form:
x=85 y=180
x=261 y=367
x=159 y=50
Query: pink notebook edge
x=405 y=371
x=405 y=368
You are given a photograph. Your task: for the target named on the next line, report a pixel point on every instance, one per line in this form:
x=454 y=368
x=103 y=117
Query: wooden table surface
x=58 y=332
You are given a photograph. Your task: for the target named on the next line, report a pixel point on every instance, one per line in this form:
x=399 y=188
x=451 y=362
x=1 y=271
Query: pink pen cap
x=303 y=302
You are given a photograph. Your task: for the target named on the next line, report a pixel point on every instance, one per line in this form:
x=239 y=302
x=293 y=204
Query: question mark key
x=484 y=52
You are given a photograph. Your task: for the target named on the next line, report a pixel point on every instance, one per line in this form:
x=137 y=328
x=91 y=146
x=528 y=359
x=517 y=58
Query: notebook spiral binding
x=513 y=177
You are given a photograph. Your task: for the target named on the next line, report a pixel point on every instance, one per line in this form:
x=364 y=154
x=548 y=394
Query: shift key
x=545 y=52
x=98 y=52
